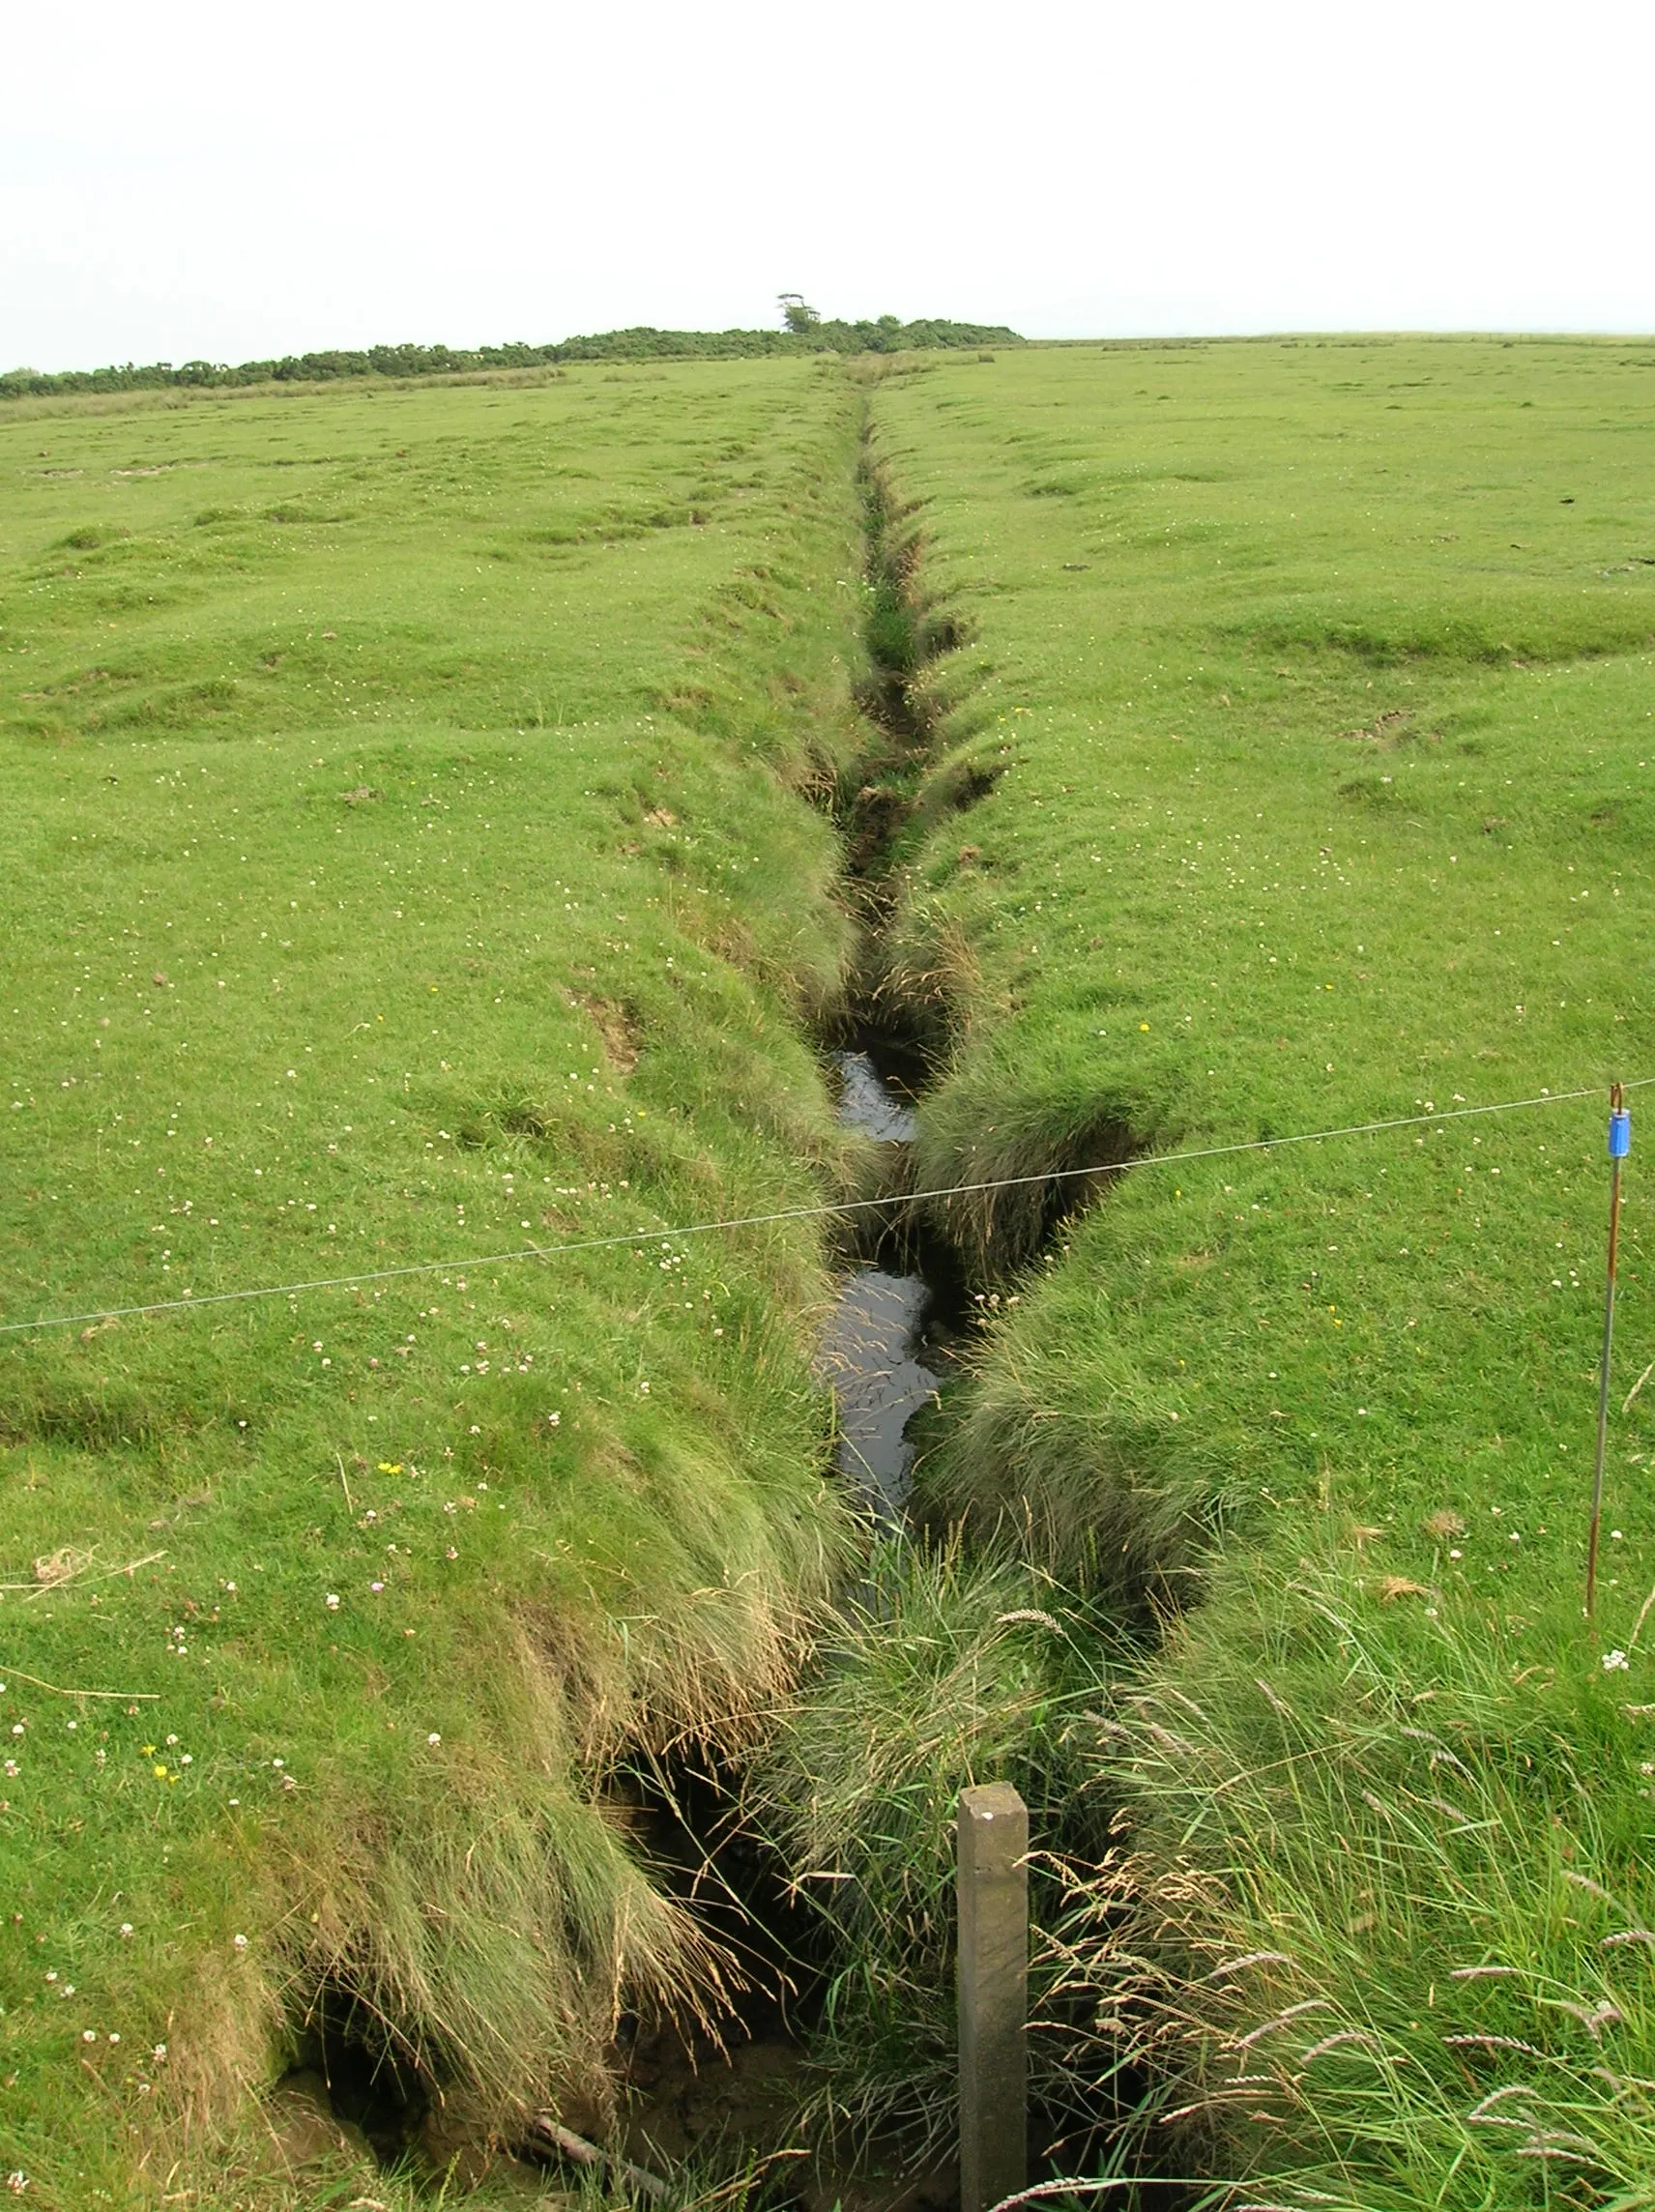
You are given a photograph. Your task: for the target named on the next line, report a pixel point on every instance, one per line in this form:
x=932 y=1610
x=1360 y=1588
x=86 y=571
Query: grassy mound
x=407 y=860
x=1309 y=699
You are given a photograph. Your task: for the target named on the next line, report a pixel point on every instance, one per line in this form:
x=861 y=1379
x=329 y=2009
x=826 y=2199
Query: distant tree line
x=806 y=333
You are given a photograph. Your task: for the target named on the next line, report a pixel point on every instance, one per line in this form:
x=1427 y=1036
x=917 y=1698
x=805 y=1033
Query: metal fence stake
x=1619 y=1145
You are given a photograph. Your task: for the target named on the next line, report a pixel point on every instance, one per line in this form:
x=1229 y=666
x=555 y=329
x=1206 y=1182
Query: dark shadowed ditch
x=890 y=1346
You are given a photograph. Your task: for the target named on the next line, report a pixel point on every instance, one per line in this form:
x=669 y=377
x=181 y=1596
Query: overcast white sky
x=208 y=179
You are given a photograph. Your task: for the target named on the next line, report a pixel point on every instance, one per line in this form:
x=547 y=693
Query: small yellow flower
x=148 y=1750
x=160 y=1773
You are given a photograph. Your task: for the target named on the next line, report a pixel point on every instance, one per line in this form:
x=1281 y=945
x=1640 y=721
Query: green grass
x=408 y=856
x=411 y=837
x=1384 y=1940
x=1317 y=677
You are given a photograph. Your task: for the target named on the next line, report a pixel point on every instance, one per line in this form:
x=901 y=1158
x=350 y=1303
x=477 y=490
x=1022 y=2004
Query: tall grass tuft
x=944 y=1672
x=1380 y=1932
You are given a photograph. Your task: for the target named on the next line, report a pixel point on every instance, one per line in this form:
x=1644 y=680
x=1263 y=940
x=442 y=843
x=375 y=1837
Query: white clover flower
x=433 y=1739
x=1616 y=1661
x=331 y=1601
x=239 y=1941
x=126 y=1928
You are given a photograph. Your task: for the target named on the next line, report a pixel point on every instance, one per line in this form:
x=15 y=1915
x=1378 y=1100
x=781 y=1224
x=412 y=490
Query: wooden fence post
x=993 y=1982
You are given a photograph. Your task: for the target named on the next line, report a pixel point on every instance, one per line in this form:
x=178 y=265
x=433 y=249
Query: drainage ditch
x=892 y=1339
x=891 y=1347
x=888 y=1347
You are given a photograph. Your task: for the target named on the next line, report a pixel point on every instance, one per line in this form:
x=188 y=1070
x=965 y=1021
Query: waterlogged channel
x=872 y=1347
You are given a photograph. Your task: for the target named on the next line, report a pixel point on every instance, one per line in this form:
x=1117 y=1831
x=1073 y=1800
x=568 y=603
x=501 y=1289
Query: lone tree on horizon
x=801 y=318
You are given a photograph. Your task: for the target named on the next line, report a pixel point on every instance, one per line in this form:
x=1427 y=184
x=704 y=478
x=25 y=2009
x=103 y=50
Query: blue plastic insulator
x=1619 y=1134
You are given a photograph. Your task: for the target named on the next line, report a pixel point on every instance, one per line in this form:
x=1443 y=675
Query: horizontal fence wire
x=836 y=1207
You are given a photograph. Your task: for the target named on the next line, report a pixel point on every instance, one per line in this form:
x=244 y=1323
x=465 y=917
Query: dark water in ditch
x=873 y=1346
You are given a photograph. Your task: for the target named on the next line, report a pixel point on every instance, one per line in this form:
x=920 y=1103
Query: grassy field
x=1314 y=685
x=408 y=857
x=417 y=848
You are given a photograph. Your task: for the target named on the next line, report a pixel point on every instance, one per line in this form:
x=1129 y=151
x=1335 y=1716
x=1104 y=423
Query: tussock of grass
x=1061 y=1445
x=1383 y=1940
x=944 y=1672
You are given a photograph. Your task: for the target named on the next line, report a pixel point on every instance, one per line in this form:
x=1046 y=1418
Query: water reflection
x=869 y=1347
x=868 y=1103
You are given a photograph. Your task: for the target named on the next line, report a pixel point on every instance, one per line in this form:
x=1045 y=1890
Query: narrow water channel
x=873 y=1348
